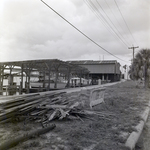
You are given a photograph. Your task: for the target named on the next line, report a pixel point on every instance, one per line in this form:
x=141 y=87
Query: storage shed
x=43 y=66
x=106 y=70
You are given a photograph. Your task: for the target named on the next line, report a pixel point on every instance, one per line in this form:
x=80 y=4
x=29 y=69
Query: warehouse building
x=107 y=70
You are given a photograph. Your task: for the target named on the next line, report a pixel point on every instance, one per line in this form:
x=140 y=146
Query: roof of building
x=92 y=62
x=44 y=64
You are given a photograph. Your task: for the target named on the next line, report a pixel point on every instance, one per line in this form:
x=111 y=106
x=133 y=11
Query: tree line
x=140 y=67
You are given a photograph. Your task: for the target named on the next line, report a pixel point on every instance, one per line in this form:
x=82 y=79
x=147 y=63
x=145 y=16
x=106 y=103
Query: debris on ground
x=105 y=126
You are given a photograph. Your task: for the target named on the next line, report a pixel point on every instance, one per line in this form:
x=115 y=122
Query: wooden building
x=25 y=69
x=107 y=70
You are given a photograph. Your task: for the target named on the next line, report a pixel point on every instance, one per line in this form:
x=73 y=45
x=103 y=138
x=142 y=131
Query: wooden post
x=56 y=78
x=80 y=78
x=28 y=84
x=26 y=81
x=2 y=78
x=21 y=83
x=49 y=70
x=1 y=87
x=44 y=78
x=88 y=79
x=6 y=90
x=103 y=77
x=68 y=77
x=133 y=48
x=107 y=78
x=49 y=79
x=16 y=140
x=115 y=72
x=72 y=84
x=10 y=77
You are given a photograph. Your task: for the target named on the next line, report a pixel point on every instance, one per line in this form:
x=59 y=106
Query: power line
x=114 y=15
x=81 y=31
x=105 y=20
x=124 y=21
x=105 y=25
x=111 y=21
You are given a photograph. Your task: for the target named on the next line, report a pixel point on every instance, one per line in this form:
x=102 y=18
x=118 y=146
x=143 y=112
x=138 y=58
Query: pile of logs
x=40 y=108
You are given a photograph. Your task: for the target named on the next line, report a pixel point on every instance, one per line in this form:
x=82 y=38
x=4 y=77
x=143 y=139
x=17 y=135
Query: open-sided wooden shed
x=44 y=66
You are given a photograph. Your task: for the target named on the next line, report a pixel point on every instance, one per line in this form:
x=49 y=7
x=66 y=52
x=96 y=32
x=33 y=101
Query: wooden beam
x=48 y=66
x=56 y=74
x=28 y=85
x=56 y=79
x=68 y=76
x=21 y=83
x=49 y=79
x=44 y=78
x=16 y=140
x=1 y=80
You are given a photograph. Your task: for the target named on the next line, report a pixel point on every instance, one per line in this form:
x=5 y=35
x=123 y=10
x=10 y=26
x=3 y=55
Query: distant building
x=107 y=70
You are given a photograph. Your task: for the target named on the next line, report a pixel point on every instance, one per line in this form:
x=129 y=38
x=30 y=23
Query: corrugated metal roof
x=100 y=67
x=92 y=62
x=45 y=64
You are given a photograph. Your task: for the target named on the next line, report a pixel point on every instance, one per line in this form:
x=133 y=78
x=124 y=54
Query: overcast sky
x=30 y=30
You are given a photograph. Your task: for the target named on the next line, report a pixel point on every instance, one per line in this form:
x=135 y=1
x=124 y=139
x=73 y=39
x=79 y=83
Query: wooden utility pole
x=133 y=56
x=133 y=50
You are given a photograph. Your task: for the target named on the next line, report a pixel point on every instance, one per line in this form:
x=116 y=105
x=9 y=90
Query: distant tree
x=140 y=68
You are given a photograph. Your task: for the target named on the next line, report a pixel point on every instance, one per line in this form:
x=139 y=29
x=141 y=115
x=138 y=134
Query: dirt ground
x=124 y=102
x=144 y=142
x=146 y=135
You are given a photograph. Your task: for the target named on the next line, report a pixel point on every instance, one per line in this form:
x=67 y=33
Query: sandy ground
x=144 y=141
x=120 y=114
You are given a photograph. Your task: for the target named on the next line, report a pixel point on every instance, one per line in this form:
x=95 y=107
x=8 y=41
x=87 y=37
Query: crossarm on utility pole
x=133 y=49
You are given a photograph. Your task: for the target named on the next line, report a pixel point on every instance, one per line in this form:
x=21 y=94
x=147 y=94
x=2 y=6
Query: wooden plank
x=13 y=110
x=55 y=106
x=9 y=99
x=22 y=105
x=16 y=140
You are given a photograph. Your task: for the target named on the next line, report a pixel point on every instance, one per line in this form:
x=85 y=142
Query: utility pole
x=133 y=50
x=133 y=56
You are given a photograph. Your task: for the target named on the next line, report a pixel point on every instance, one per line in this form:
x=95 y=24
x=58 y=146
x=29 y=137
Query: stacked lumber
x=17 y=106
x=40 y=108
x=43 y=108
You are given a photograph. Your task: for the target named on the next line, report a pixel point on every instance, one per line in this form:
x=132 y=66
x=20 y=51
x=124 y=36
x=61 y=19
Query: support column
x=115 y=72
x=1 y=87
x=28 y=85
x=2 y=77
x=88 y=83
x=68 y=76
x=21 y=82
x=80 y=79
x=48 y=66
x=44 y=78
x=72 y=84
x=49 y=79
x=10 y=81
x=56 y=78
x=107 y=78
x=103 y=77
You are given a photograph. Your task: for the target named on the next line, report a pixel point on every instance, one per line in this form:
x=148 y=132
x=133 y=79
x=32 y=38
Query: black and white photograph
x=74 y=74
